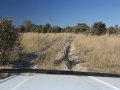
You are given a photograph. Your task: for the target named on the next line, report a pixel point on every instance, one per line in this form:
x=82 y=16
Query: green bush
x=98 y=28
x=8 y=40
x=111 y=30
x=82 y=27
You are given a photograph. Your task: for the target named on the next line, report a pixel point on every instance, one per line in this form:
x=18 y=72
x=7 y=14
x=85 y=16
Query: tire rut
x=70 y=60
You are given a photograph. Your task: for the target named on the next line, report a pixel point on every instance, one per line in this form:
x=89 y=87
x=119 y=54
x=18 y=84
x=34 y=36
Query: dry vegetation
x=101 y=53
x=98 y=53
x=47 y=44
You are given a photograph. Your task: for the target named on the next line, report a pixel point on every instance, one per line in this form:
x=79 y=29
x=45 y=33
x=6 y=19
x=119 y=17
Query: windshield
x=53 y=36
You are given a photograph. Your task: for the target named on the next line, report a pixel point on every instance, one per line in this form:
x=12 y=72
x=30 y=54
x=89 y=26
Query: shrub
x=111 y=30
x=8 y=40
x=82 y=27
x=98 y=28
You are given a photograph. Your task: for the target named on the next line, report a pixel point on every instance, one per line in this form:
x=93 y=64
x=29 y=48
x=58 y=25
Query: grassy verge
x=101 y=53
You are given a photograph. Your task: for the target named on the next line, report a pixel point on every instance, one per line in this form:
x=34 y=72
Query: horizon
x=62 y=13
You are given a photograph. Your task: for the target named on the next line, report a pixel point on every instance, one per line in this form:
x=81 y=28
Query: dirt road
x=69 y=58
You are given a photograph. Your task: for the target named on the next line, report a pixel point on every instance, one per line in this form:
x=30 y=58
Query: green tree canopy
x=82 y=27
x=46 y=28
x=98 y=28
x=111 y=30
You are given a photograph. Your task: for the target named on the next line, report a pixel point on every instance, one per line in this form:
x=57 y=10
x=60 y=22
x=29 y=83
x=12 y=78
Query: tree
x=55 y=29
x=58 y=29
x=39 y=28
x=21 y=28
x=46 y=28
x=33 y=28
x=27 y=24
x=98 y=28
x=8 y=39
x=111 y=30
x=69 y=29
x=82 y=27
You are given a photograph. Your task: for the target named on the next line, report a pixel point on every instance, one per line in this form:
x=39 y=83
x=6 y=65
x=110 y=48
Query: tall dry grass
x=98 y=53
x=32 y=42
x=101 y=53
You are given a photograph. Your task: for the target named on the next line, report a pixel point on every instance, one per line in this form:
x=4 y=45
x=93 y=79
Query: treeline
x=98 y=28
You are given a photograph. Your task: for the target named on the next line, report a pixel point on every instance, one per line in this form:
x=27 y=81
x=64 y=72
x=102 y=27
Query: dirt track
x=70 y=60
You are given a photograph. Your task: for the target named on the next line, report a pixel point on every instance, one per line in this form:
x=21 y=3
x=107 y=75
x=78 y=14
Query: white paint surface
x=21 y=83
x=107 y=84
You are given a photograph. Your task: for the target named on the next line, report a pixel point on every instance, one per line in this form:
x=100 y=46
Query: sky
x=62 y=12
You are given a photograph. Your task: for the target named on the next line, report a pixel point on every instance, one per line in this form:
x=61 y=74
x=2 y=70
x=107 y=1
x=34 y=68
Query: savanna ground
x=96 y=53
